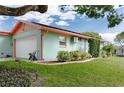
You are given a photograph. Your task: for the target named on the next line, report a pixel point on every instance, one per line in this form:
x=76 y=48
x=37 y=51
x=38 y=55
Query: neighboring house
x=5 y=44
x=28 y=37
x=120 y=51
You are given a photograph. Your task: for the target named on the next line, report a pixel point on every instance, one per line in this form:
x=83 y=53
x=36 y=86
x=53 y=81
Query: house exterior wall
x=50 y=42
x=35 y=33
x=51 y=46
x=120 y=51
x=102 y=45
x=6 y=45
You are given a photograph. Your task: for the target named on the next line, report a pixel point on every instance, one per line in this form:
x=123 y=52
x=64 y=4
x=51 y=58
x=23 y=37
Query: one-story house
x=27 y=37
x=120 y=50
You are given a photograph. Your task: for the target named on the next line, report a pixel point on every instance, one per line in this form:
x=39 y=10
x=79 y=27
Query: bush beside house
x=107 y=50
x=94 y=43
x=94 y=47
x=64 y=56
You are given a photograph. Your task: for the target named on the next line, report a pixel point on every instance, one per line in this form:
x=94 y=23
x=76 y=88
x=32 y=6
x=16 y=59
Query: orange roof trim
x=17 y=27
x=48 y=29
x=5 y=33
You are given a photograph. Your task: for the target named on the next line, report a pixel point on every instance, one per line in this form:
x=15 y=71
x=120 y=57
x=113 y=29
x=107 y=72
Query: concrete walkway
x=72 y=62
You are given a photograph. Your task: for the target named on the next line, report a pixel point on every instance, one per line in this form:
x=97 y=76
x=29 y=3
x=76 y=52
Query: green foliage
x=92 y=34
x=94 y=47
x=100 y=72
x=120 y=38
x=100 y=11
x=89 y=55
x=94 y=43
x=85 y=56
x=109 y=49
x=63 y=56
x=11 y=77
x=103 y=54
x=75 y=55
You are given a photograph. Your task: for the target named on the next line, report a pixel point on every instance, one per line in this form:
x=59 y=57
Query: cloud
x=2 y=18
x=110 y=33
x=70 y=15
x=47 y=18
x=38 y=17
x=116 y=6
x=13 y=6
x=62 y=23
x=108 y=36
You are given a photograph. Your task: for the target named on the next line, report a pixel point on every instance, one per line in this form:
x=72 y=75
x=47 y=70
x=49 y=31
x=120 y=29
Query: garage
x=25 y=45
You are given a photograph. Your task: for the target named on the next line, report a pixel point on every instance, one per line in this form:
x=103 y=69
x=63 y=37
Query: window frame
x=62 y=43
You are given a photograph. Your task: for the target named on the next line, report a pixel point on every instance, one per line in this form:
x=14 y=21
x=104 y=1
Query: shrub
x=83 y=56
x=75 y=55
x=109 y=49
x=86 y=55
x=12 y=77
x=94 y=47
x=103 y=54
x=89 y=55
x=108 y=54
x=63 y=56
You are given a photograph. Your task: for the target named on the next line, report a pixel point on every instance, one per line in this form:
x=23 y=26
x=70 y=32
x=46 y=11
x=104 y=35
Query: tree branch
x=8 y=11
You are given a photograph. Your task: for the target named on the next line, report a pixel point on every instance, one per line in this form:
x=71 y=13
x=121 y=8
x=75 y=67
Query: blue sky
x=69 y=20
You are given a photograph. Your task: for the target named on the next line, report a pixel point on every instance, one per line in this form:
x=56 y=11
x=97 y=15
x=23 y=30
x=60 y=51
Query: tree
x=109 y=49
x=120 y=38
x=92 y=34
x=94 y=43
x=9 y=11
x=100 y=11
x=92 y=11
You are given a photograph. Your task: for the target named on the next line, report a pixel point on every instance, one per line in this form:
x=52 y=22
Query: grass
x=98 y=73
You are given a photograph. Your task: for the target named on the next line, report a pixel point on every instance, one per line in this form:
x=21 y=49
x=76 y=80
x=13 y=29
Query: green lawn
x=101 y=72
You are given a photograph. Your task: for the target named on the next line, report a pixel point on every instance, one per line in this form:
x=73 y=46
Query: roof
x=68 y=32
x=47 y=29
x=4 y=33
x=56 y=28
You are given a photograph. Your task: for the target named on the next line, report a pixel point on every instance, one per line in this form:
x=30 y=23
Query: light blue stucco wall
x=51 y=46
x=6 y=45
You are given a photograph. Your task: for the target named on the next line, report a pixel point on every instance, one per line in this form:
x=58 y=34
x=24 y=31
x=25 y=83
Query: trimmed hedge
x=64 y=56
x=94 y=47
x=13 y=77
x=85 y=56
x=75 y=55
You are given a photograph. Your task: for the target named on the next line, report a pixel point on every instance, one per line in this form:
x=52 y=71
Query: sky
x=69 y=20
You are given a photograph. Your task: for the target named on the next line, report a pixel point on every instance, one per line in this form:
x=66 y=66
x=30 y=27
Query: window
x=62 y=41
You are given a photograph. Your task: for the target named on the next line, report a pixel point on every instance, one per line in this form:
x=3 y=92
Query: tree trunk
x=9 y=11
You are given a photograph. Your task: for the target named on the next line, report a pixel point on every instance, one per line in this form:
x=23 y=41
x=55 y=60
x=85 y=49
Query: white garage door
x=26 y=45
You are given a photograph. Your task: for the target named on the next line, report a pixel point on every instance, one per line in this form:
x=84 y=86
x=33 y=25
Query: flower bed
x=13 y=77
